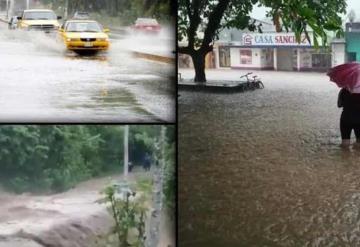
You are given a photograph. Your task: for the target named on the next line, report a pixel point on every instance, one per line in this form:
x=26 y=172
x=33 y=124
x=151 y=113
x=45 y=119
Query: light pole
x=27 y=4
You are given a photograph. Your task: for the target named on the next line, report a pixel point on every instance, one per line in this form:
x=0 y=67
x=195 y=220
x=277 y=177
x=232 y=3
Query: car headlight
x=103 y=39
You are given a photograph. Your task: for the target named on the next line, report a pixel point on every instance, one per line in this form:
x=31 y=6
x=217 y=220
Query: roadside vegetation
x=131 y=210
x=129 y=213
x=115 y=12
x=55 y=158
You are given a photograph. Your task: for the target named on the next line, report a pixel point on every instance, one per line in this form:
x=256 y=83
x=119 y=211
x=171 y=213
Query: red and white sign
x=274 y=39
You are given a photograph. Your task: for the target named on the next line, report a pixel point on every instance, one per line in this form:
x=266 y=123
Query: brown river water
x=264 y=168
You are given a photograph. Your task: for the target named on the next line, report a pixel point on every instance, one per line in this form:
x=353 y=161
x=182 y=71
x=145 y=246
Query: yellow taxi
x=84 y=35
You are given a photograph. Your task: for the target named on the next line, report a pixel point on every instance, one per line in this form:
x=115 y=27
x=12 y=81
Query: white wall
x=235 y=58
x=338 y=54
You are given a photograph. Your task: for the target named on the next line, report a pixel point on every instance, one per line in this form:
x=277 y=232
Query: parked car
x=84 y=35
x=146 y=25
x=80 y=15
x=13 y=22
x=38 y=20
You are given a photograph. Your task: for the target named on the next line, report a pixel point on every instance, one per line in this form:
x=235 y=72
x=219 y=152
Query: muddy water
x=264 y=168
x=68 y=219
x=40 y=81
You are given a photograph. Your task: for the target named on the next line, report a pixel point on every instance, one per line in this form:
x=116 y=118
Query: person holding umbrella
x=347 y=76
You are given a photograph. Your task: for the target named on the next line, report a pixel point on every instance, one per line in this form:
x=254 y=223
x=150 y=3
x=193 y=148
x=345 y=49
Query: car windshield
x=83 y=27
x=41 y=15
x=146 y=22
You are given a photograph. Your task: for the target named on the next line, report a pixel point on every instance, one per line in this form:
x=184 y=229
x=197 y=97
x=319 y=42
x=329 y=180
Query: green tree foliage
x=210 y=17
x=54 y=158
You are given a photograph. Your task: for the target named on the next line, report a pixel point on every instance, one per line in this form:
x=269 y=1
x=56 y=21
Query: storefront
x=272 y=51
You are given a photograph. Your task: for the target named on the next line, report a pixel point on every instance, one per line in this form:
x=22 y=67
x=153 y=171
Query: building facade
x=272 y=51
x=269 y=50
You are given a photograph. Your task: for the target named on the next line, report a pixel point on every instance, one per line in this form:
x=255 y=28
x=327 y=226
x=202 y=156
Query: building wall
x=305 y=59
x=185 y=61
x=285 y=59
x=338 y=54
x=353 y=43
x=255 y=58
x=267 y=58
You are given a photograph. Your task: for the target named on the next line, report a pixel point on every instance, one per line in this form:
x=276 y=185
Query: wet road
x=264 y=168
x=41 y=82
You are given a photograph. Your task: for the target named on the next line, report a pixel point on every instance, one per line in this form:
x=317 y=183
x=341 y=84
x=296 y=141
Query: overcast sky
x=259 y=13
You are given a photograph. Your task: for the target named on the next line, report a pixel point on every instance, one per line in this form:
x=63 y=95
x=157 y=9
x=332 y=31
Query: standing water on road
x=264 y=168
x=40 y=81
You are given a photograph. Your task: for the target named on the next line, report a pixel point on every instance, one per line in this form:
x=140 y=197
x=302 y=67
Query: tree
x=210 y=17
x=55 y=158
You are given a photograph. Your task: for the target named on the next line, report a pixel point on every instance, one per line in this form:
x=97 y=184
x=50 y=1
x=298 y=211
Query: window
x=245 y=56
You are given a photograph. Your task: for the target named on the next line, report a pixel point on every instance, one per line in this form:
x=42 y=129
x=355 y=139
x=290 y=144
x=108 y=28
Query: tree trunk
x=198 y=59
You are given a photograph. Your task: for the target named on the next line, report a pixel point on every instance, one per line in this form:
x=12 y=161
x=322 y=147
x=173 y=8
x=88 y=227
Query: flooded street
x=41 y=82
x=264 y=168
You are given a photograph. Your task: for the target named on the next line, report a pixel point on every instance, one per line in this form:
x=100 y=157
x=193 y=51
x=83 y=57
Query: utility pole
x=66 y=9
x=126 y=151
x=7 y=9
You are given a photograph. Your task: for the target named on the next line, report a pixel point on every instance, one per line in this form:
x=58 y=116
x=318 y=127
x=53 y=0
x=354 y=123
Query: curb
x=3 y=20
x=153 y=57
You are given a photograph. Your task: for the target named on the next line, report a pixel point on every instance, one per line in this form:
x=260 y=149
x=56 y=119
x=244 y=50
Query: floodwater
x=72 y=218
x=41 y=82
x=264 y=168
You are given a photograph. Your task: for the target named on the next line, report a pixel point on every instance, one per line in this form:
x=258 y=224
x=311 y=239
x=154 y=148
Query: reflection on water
x=264 y=168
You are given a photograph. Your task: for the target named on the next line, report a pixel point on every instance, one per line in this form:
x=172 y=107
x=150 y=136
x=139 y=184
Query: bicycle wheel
x=252 y=86
x=260 y=85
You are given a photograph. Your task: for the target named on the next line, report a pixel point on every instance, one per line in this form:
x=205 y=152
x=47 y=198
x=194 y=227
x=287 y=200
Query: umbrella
x=346 y=76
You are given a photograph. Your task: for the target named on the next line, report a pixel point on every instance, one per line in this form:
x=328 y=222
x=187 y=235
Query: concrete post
x=298 y=61
x=275 y=58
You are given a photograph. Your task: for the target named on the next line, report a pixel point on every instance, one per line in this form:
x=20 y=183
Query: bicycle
x=258 y=82
x=248 y=85
x=253 y=84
